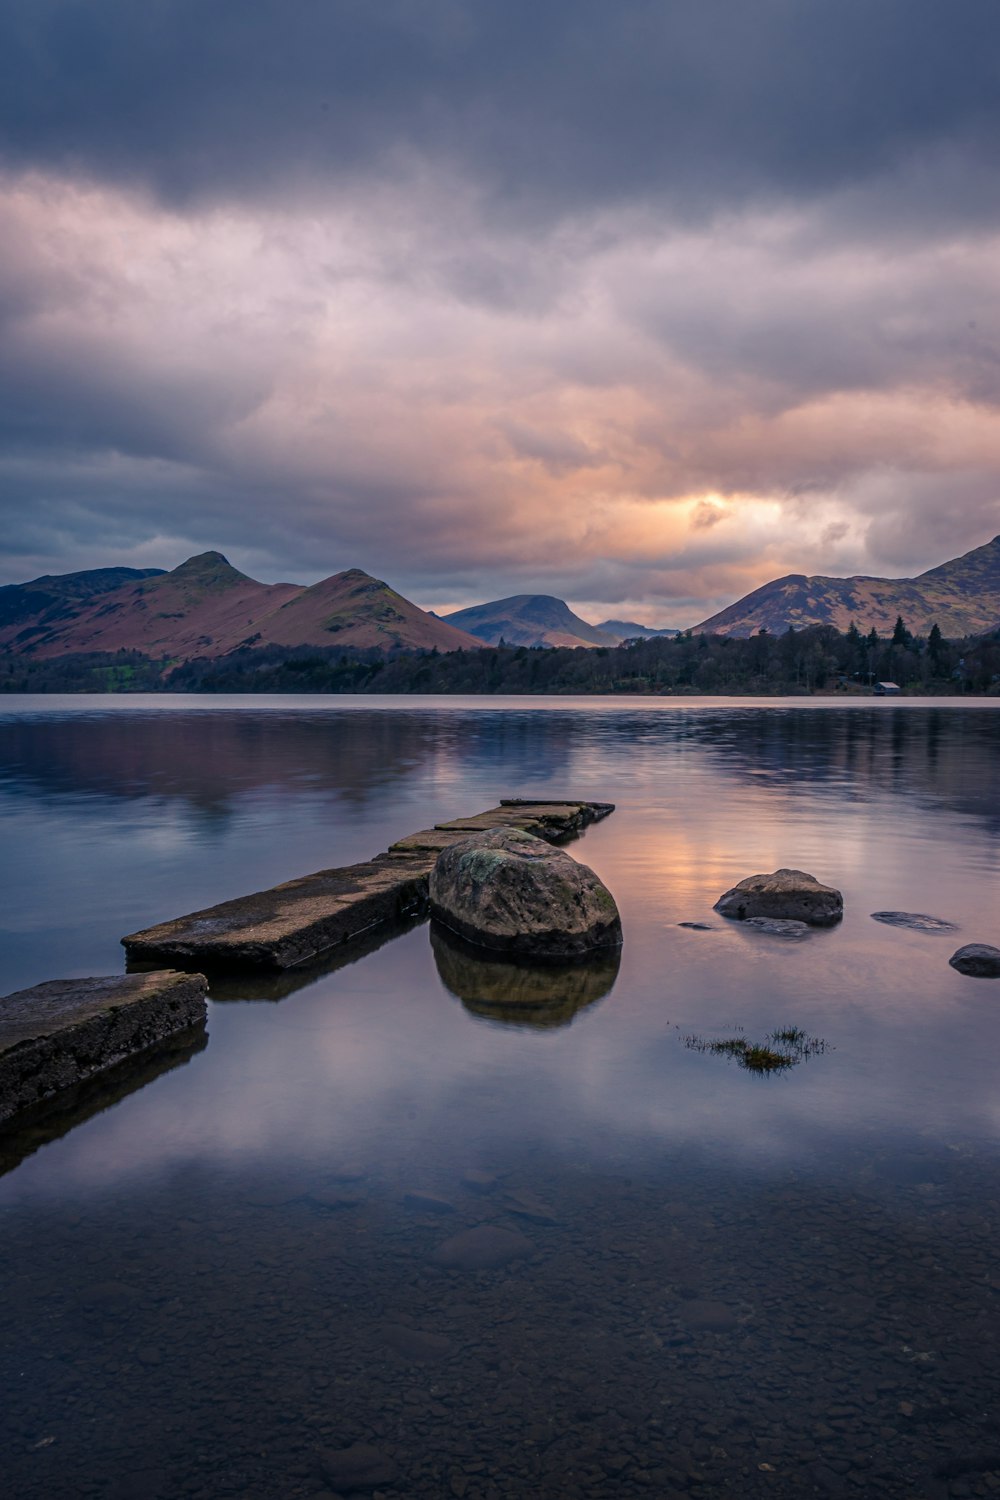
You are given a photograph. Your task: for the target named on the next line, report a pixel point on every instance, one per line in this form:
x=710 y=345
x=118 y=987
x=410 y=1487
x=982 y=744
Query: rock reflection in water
x=540 y=996
x=56 y=1117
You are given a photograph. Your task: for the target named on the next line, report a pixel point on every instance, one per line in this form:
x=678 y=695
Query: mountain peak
x=355 y=575
x=528 y=620
x=208 y=570
x=961 y=597
x=626 y=630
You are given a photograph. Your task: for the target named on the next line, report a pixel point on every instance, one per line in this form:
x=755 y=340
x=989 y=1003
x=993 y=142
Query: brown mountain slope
x=28 y=610
x=206 y=607
x=354 y=609
x=961 y=596
x=203 y=608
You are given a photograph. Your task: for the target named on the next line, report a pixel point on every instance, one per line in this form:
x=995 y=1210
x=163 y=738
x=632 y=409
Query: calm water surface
x=218 y=1267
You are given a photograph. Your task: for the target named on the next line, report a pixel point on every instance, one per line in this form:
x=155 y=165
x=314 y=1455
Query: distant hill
x=629 y=630
x=962 y=597
x=206 y=608
x=46 y=601
x=528 y=620
x=354 y=609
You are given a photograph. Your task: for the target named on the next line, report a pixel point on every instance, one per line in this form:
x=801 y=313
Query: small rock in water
x=698 y=926
x=483 y=1248
x=415 y=1343
x=916 y=921
x=782 y=927
x=359 y=1467
x=428 y=1202
x=527 y=1206
x=787 y=894
x=711 y=1317
x=980 y=960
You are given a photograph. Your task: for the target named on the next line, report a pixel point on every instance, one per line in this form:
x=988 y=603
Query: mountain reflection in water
x=226 y=1272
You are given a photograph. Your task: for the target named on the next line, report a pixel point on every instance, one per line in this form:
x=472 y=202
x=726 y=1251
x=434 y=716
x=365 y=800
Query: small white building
x=887 y=689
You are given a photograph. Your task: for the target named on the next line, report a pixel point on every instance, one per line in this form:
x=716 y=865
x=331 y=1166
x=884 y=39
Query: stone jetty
x=59 y=1034
x=302 y=920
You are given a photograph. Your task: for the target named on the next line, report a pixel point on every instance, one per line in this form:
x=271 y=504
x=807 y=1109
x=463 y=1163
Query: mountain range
x=630 y=630
x=962 y=597
x=206 y=608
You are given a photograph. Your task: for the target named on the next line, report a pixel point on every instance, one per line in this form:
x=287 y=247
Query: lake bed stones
x=785 y=895
x=359 y=1467
x=979 y=960
x=513 y=893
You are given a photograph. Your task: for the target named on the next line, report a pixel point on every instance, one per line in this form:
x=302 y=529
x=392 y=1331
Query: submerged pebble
x=359 y=1467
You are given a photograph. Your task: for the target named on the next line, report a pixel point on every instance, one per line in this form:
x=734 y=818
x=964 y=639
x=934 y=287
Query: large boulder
x=981 y=960
x=513 y=893
x=788 y=895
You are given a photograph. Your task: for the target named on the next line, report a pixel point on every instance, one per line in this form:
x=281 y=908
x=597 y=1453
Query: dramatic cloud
x=639 y=305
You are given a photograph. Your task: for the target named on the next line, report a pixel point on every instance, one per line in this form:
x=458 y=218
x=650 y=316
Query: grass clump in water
x=778 y=1051
x=792 y=1036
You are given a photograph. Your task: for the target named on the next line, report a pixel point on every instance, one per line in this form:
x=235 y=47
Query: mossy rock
x=513 y=893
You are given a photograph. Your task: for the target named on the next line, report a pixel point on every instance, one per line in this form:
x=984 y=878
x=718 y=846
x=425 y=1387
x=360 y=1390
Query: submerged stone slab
x=482 y=1248
x=300 y=921
x=780 y=927
x=56 y=1035
x=915 y=921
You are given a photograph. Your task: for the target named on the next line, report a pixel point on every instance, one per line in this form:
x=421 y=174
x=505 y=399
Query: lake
x=218 y=1266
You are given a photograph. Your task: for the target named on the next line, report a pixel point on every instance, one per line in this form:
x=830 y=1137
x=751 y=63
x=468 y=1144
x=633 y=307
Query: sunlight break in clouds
x=633 y=414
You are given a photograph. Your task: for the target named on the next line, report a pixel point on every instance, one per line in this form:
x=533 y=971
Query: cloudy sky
x=639 y=303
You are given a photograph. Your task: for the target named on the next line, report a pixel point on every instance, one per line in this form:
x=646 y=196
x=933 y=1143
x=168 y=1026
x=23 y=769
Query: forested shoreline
x=815 y=660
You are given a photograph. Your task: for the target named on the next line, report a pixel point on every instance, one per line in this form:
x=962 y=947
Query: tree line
x=818 y=659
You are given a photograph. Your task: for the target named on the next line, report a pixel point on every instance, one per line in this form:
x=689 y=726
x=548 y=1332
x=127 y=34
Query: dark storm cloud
x=640 y=302
x=548 y=107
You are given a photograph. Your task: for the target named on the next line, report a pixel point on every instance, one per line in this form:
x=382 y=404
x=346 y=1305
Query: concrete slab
x=56 y=1035
x=290 y=924
x=301 y=921
x=427 y=843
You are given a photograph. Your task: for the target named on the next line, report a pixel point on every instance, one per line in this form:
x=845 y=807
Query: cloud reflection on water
x=376 y=1060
